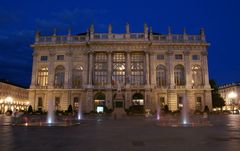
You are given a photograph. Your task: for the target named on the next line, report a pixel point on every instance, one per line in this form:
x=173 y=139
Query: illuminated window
x=179 y=75
x=162 y=102
x=137 y=99
x=161 y=75
x=137 y=68
x=100 y=69
x=59 y=77
x=57 y=103
x=77 y=79
x=42 y=79
x=75 y=103
x=197 y=75
x=199 y=103
x=180 y=102
x=118 y=68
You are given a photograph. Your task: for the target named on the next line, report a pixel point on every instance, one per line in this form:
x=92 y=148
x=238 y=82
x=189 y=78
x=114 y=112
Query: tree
x=70 y=109
x=30 y=110
x=217 y=100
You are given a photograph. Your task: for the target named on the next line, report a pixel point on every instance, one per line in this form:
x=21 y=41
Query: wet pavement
x=131 y=134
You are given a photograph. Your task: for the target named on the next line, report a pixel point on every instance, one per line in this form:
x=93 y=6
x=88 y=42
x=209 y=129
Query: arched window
x=59 y=77
x=197 y=75
x=179 y=75
x=42 y=78
x=161 y=75
x=77 y=79
x=118 y=68
x=100 y=69
x=137 y=68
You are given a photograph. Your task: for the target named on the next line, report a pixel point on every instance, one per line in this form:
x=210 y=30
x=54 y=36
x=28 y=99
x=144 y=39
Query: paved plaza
x=130 y=134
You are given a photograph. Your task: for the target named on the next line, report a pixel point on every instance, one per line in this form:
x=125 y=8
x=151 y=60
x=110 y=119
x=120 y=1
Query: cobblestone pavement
x=131 y=134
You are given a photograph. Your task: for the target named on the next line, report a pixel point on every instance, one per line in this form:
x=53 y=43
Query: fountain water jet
x=158 y=112
x=50 y=115
x=184 y=112
x=79 y=110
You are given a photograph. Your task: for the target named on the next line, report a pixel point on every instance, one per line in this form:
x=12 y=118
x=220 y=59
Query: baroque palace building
x=150 y=69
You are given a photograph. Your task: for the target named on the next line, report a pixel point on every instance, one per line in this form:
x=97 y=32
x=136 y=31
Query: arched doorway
x=137 y=104
x=137 y=99
x=99 y=102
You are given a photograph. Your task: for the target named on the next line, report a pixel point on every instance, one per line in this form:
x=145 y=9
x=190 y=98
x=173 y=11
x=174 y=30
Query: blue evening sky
x=19 y=19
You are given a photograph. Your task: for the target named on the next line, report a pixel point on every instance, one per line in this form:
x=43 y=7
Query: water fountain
x=79 y=115
x=50 y=115
x=182 y=120
x=158 y=111
x=185 y=111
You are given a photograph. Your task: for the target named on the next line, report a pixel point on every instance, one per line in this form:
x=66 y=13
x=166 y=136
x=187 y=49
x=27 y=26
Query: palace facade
x=150 y=69
x=230 y=93
x=12 y=97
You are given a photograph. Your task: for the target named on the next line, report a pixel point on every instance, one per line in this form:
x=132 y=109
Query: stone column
x=152 y=70
x=109 y=78
x=128 y=71
x=187 y=69
x=90 y=68
x=170 y=67
x=51 y=69
x=147 y=68
x=205 y=69
x=34 y=71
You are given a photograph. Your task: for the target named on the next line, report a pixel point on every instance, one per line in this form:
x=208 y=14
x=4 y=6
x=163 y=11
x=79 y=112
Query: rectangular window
x=44 y=58
x=160 y=57
x=75 y=102
x=195 y=57
x=40 y=102
x=178 y=57
x=60 y=57
x=57 y=103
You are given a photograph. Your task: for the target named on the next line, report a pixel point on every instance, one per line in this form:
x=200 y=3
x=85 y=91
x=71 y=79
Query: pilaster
x=34 y=71
x=147 y=67
x=51 y=69
x=187 y=69
x=109 y=78
x=205 y=69
x=170 y=67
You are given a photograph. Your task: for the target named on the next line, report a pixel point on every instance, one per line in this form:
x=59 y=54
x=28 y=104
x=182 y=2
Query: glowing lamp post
x=232 y=96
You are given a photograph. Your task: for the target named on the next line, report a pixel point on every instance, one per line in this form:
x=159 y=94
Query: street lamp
x=232 y=95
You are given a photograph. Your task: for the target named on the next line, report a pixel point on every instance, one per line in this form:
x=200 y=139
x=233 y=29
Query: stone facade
x=230 y=93
x=150 y=69
x=12 y=97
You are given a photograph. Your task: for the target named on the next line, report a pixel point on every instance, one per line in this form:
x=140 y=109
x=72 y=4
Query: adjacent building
x=12 y=97
x=230 y=93
x=151 y=69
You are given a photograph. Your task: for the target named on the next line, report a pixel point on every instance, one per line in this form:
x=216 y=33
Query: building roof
x=12 y=83
x=229 y=85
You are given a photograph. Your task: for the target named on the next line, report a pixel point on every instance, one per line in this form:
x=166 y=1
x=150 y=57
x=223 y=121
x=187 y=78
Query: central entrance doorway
x=99 y=102
x=137 y=103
